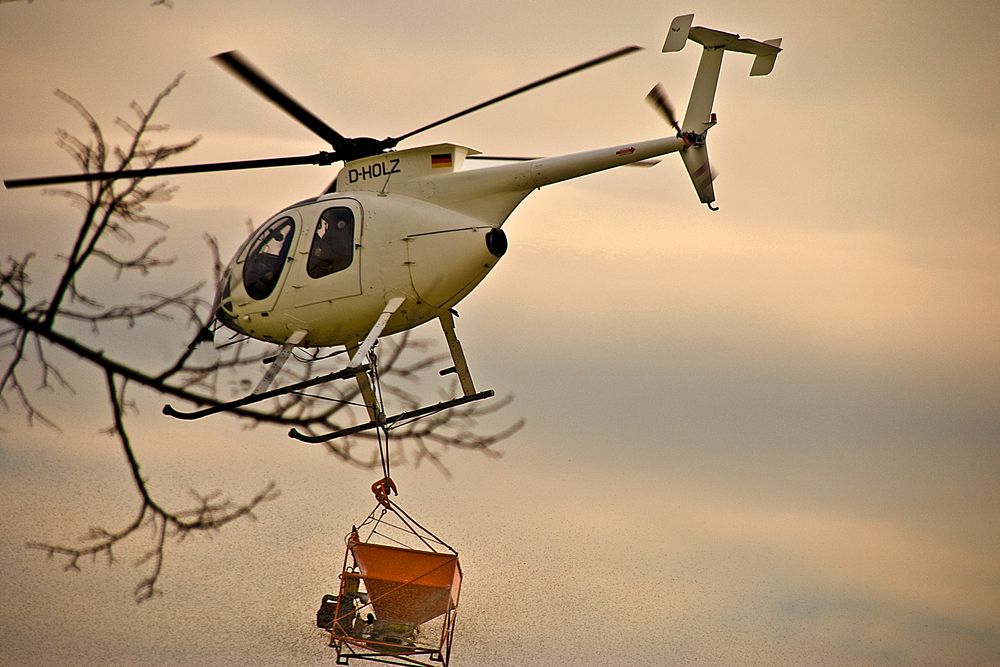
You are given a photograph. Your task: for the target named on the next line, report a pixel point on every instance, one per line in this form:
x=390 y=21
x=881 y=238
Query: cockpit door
x=264 y=264
x=329 y=252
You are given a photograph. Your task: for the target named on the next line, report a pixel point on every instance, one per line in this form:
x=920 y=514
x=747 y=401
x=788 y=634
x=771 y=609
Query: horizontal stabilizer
x=766 y=52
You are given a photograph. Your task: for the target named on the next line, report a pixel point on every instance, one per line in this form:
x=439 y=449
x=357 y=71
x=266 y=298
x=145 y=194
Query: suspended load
x=399 y=590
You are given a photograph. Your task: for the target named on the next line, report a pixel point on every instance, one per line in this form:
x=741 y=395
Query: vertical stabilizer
x=764 y=62
x=700 y=170
x=677 y=36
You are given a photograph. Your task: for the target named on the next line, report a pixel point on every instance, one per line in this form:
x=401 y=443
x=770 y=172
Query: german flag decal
x=441 y=160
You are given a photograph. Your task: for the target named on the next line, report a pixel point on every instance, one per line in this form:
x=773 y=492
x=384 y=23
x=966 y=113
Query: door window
x=332 y=246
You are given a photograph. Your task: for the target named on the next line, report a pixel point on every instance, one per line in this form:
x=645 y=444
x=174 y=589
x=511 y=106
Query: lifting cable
x=381 y=427
x=383 y=487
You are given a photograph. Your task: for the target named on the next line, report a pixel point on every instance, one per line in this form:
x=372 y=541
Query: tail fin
x=699 y=117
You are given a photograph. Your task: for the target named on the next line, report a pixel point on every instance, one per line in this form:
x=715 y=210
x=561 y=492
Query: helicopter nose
x=227 y=319
x=224 y=311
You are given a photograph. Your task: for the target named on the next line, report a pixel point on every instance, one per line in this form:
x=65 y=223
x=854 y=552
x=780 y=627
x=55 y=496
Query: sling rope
x=381 y=428
x=383 y=487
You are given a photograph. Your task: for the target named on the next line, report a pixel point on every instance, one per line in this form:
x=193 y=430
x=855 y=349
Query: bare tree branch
x=208 y=514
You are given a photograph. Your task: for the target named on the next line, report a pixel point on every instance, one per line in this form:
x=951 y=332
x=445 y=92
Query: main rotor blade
x=541 y=82
x=321 y=158
x=238 y=65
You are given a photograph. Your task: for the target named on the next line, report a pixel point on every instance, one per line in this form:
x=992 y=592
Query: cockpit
x=312 y=247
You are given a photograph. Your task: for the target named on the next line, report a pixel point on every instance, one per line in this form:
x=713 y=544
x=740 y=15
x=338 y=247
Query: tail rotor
x=695 y=152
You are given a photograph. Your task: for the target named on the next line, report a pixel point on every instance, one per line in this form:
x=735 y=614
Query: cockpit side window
x=332 y=247
x=267 y=258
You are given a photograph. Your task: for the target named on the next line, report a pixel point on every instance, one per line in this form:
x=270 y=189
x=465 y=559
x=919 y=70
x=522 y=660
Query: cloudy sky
x=764 y=435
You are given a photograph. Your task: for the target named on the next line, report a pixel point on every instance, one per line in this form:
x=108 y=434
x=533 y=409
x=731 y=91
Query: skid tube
x=390 y=421
x=264 y=395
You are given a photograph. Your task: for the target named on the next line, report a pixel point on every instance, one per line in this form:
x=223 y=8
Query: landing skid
x=359 y=371
x=264 y=395
x=390 y=422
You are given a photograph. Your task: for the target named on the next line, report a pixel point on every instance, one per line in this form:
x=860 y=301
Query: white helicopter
x=402 y=236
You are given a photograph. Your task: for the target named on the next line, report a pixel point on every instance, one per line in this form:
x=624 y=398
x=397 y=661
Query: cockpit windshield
x=267 y=258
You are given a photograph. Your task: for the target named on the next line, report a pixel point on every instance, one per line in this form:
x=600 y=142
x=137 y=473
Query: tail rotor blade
x=658 y=98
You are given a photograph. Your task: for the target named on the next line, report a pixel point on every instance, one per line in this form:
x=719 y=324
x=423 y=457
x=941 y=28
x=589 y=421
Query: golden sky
x=764 y=435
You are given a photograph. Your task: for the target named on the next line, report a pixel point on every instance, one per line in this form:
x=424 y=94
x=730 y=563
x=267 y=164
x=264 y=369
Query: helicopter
x=401 y=236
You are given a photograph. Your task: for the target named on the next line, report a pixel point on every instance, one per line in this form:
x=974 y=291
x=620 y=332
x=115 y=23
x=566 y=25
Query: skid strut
x=378 y=419
x=461 y=367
